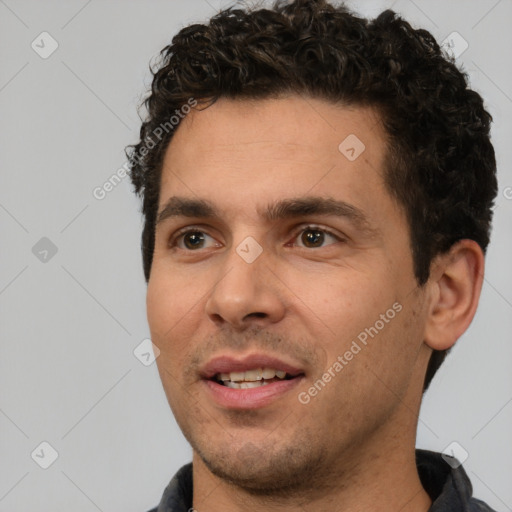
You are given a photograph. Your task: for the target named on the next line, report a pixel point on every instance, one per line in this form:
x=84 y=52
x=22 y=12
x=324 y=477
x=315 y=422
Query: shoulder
x=447 y=483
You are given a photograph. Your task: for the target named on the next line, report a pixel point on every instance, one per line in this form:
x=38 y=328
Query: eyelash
x=192 y=229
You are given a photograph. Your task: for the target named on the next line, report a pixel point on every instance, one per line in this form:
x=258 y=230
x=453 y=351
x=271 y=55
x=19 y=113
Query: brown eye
x=315 y=237
x=312 y=237
x=193 y=239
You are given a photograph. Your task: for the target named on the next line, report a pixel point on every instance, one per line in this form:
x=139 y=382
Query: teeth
x=248 y=385
x=237 y=376
x=245 y=385
x=269 y=373
x=254 y=376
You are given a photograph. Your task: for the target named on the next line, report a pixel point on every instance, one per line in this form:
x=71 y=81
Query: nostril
x=257 y=315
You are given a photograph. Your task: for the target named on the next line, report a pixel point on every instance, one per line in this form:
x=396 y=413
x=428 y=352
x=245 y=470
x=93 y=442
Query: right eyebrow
x=184 y=207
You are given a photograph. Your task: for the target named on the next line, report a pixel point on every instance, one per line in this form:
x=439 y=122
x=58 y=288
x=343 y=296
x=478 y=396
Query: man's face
x=272 y=276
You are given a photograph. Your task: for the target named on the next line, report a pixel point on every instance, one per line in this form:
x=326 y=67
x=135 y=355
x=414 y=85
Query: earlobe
x=455 y=284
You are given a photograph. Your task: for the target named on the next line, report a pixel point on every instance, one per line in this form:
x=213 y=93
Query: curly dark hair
x=440 y=164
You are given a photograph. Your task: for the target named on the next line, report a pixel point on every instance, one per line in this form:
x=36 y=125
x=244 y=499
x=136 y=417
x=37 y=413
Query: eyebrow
x=279 y=210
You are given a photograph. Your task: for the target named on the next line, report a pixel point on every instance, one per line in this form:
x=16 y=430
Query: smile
x=251 y=378
x=250 y=382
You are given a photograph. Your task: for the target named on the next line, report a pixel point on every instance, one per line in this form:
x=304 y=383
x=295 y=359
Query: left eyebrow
x=279 y=210
x=306 y=206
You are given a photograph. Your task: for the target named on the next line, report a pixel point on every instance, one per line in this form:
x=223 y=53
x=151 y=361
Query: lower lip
x=252 y=398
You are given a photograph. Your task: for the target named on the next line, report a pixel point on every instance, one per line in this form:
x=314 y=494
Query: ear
x=455 y=283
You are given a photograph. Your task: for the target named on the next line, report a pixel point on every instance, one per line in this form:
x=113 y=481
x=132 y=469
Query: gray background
x=71 y=321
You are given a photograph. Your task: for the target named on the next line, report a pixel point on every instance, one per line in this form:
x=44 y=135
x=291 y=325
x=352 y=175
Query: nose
x=245 y=294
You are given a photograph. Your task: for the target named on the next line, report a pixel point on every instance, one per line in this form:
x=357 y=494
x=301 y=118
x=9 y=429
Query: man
x=317 y=192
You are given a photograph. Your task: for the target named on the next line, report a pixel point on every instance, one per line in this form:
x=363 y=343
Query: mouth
x=251 y=382
x=252 y=378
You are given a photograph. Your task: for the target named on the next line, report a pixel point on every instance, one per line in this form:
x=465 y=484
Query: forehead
x=300 y=125
x=242 y=153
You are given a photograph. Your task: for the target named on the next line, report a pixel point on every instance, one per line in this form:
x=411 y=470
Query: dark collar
x=447 y=484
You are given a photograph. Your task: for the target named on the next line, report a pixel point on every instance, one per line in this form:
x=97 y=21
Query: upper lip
x=228 y=364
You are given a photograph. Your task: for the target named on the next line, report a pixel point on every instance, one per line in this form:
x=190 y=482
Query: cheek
x=391 y=351
x=171 y=304
x=348 y=302
x=366 y=322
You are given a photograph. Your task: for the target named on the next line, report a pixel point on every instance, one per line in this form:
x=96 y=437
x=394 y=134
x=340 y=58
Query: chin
x=263 y=469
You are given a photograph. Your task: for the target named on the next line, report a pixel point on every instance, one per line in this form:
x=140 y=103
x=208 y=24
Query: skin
x=351 y=447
